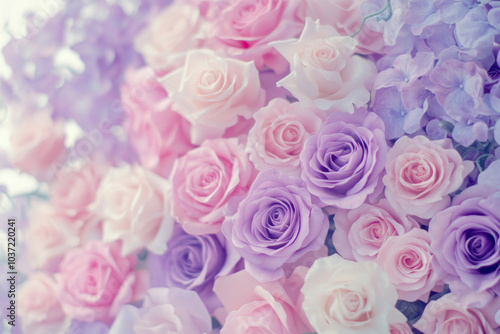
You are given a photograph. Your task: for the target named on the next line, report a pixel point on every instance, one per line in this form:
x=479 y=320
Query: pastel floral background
x=251 y=166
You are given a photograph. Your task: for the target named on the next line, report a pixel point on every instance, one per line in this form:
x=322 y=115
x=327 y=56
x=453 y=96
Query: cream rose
x=324 y=71
x=347 y=297
x=132 y=204
x=37 y=145
x=211 y=92
x=169 y=35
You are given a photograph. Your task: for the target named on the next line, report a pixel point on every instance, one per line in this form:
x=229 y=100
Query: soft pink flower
x=39 y=308
x=169 y=35
x=324 y=71
x=165 y=310
x=346 y=16
x=245 y=28
x=447 y=315
x=421 y=173
x=344 y=297
x=49 y=236
x=278 y=135
x=95 y=281
x=361 y=232
x=272 y=307
x=158 y=134
x=133 y=205
x=204 y=180
x=72 y=193
x=400 y=328
x=37 y=145
x=407 y=260
x=211 y=92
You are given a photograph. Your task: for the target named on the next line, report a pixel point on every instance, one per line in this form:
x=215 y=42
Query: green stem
x=389 y=14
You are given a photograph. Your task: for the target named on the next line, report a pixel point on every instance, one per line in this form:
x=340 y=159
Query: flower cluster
x=259 y=166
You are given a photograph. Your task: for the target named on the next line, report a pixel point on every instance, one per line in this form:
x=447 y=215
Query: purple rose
x=465 y=239
x=342 y=164
x=192 y=262
x=275 y=224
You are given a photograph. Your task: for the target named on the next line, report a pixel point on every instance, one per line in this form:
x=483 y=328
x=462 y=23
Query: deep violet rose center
x=480 y=245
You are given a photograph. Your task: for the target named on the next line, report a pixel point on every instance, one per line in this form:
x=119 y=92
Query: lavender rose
x=274 y=225
x=342 y=164
x=465 y=239
x=192 y=262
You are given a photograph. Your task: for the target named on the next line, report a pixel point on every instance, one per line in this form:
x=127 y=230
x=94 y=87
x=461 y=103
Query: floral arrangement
x=257 y=166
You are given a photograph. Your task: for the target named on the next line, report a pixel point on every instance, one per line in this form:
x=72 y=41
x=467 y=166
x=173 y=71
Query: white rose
x=347 y=297
x=324 y=71
x=132 y=203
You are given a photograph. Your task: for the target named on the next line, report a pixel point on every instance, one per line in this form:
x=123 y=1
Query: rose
x=346 y=16
x=407 y=260
x=169 y=35
x=361 y=232
x=342 y=163
x=421 y=173
x=446 y=315
x=49 y=236
x=192 y=262
x=39 y=309
x=72 y=194
x=95 y=281
x=465 y=239
x=211 y=92
x=204 y=179
x=278 y=135
x=273 y=307
x=37 y=144
x=132 y=203
x=324 y=71
x=173 y=311
x=276 y=223
x=158 y=134
x=401 y=328
x=347 y=297
x=245 y=28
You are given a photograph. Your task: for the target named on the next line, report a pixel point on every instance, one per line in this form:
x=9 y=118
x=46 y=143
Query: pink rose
x=447 y=315
x=39 y=309
x=95 y=281
x=158 y=134
x=49 y=236
x=324 y=71
x=272 y=307
x=204 y=180
x=346 y=16
x=72 y=193
x=211 y=92
x=278 y=135
x=421 y=173
x=37 y=144
x=361 y=232
x=169 y=35
x=344 y=297
x=407 y=260
x=132 y=204
x=400 y=328
x=245 y=28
